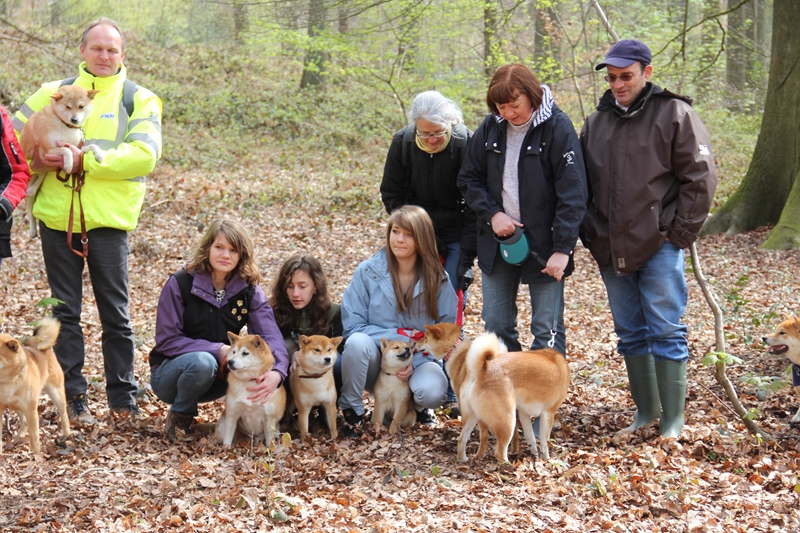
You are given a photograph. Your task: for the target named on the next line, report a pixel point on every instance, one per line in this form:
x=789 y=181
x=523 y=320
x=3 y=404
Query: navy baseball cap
x=625 y=53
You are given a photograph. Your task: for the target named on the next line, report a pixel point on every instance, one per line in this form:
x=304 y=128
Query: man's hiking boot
x=78 y=411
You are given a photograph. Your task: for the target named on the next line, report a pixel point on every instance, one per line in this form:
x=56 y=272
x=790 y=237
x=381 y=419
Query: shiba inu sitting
x=392 y=394
x=248 y=358
x=25 y=371
x=786 y=341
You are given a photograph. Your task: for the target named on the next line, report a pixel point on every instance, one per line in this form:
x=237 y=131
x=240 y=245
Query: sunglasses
x=625 y=77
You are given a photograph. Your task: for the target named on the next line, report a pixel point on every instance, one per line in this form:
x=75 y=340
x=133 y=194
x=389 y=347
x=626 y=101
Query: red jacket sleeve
x=14 y=172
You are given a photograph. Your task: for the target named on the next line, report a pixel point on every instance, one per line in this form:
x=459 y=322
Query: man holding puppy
x=84 y=218
x=651 y=179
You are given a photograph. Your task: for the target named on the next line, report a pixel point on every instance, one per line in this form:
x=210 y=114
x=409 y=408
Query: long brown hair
x=416 y=221
x=318 y=307
x=508 y=82
x=241 y=241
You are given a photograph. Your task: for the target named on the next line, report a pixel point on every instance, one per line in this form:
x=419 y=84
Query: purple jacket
x=171 y=341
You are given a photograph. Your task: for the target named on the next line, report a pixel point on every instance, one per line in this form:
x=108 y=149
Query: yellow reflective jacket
x=113 y=192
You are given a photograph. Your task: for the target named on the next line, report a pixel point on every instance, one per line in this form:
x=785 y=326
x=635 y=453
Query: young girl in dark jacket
x=215 y=293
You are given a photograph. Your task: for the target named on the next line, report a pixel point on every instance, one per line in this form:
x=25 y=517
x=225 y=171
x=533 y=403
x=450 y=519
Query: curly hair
x=238 y=236
x=318 y=307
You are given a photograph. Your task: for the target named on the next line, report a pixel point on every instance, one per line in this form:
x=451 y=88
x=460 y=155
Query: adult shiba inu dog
x=62 y=120
x=248 y=358
x=786 y=341
x=312 y=381
x=495 y=383
x=25 y=371
x=392 y=395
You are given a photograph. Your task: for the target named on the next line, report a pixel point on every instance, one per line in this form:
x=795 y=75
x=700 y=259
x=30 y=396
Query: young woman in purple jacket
x=215 y=293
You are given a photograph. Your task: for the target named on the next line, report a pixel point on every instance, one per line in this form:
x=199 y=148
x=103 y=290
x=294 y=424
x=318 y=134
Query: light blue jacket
x=368 y=304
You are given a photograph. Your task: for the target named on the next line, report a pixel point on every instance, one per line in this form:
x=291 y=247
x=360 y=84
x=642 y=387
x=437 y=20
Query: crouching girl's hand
x=265 y=385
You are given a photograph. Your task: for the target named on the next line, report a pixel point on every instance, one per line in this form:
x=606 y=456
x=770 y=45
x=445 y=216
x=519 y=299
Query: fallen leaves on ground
x=118 y=476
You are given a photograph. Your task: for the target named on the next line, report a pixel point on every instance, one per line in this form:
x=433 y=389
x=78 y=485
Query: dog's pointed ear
x=56 y=96
x=337 y=341
x=797 y=322
x=787 y=316
x=91 y=94
x=13 y=345
x=232 y=338
x=304 y=340
x=258 y=342
x=384 y=342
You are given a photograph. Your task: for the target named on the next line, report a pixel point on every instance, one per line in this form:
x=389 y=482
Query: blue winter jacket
x=369 y=305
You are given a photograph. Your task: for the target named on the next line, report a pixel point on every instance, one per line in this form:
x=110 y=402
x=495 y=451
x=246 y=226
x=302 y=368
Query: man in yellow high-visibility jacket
x=85 y=220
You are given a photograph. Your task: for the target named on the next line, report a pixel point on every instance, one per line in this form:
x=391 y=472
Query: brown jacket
x=651 y=177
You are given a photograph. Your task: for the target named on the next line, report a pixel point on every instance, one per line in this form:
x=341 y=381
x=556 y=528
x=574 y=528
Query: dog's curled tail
x=484 y=348
x=45 y=334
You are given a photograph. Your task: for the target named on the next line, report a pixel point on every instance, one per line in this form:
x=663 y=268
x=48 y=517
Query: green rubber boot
x=671 y=377
x=644 y=389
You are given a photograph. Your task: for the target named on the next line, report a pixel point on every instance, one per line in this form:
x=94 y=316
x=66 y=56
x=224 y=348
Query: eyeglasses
x=438 y=135
x=625 y=77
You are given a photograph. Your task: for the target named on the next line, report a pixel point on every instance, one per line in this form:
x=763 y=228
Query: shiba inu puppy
x=62 y=120
x=392 y=395
x=312 y=381
x=248 y=358
x=786 y=341
x=25 y=371
x=495 y=383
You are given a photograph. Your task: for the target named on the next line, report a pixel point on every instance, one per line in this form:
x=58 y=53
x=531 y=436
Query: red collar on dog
x=412 y=334
x=453 y=349
x=313 y=376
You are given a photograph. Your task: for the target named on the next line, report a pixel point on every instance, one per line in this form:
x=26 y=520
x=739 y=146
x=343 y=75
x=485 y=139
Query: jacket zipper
x=14 y=151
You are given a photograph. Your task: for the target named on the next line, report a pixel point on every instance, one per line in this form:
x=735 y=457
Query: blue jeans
x=108 y=270
x=500 y=308
x=647 y=306
x=187 y=380
x=360 y=365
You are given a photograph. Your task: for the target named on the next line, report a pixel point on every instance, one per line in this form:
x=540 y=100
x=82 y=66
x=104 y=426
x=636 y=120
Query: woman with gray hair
x=421 y=169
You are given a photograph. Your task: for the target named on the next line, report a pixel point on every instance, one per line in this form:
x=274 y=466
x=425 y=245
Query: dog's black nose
x=74 y=120
x=764 y=340
x=230 y=364
x=327 y=360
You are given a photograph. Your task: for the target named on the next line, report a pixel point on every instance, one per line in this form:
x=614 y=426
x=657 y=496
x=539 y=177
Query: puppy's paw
x=99 y=155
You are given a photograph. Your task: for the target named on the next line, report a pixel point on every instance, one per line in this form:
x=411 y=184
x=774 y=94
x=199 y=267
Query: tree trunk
x=239 y=21
x=489 y=36
x=709 y=40
x=770 y=191
x=739 y=46
x=314 y=67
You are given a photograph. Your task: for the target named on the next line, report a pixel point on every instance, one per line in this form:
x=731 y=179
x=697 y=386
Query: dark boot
x=177 y=422
x=644 y=389
x=672 y=390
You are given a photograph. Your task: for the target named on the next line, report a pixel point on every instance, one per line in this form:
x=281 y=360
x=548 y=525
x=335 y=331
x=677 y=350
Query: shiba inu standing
x=248 y=358
x=27 y=369
x=494 y=383
x=392 y=394
x=786 y=341
x=312 y=381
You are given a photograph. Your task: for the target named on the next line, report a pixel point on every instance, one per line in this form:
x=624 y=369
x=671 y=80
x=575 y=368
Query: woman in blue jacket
x=393 y=295
x=524 y=169
x=216 y=293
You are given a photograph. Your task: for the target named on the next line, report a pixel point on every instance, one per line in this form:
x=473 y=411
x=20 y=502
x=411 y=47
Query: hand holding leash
x=503 y=225
x=556 y=265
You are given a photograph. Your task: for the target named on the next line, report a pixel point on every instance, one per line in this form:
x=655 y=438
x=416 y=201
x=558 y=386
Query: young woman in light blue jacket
x=393 y=295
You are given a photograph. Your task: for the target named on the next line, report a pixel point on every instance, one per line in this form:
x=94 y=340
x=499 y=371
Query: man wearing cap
x=651 y=180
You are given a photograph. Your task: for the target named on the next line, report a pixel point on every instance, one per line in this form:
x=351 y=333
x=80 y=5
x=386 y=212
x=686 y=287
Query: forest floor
x=123 y=477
